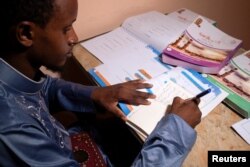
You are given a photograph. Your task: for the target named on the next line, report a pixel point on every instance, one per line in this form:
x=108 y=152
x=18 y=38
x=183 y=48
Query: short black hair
x=14 y=11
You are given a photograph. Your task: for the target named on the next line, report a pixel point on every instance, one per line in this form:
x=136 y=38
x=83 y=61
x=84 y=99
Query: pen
x=201 y=94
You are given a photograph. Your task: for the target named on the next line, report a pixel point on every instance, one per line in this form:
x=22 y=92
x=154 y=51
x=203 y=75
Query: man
x=40 y=32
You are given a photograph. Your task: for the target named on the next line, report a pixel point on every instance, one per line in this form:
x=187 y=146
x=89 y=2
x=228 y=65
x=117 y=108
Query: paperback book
x=235 y=79
x=202 y=47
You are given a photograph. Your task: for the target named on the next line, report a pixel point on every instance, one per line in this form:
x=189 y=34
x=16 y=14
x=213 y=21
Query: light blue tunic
x=30 y=136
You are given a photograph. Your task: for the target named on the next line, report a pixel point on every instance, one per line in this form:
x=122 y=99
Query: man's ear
x=25 y=33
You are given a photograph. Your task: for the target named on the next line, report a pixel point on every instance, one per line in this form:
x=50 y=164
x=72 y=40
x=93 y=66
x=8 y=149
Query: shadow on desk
x=73 y=72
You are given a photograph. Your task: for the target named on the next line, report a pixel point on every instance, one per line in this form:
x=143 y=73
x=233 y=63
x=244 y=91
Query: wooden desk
x=214 y=131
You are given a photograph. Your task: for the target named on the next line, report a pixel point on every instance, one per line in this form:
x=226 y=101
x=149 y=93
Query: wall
x=99 y=16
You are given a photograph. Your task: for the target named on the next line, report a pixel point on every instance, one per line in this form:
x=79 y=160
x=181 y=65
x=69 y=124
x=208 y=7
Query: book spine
x=185 y=57
x=176 y=62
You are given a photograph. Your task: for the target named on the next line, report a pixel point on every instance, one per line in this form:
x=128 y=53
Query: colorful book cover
x=203 y=44
x=235 y=79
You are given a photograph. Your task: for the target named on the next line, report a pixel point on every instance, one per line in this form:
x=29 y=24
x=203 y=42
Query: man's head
x=15 y=11
x=38 y=32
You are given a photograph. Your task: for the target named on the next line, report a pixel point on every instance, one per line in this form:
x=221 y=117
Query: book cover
x=203 y=44
x=235 y=79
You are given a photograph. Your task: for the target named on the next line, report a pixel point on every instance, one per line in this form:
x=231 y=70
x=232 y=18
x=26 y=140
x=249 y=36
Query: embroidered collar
x=17 y=80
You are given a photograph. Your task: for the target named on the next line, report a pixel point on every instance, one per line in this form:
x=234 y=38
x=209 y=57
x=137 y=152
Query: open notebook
x=144 y=118
x=176 y=82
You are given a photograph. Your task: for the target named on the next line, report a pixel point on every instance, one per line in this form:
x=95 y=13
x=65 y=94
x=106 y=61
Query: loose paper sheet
x=243 y=129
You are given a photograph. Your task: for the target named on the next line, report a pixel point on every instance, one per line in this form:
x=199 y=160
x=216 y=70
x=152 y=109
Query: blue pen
x=201 y=94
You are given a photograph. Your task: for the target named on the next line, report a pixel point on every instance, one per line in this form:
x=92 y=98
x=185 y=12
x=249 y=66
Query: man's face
x=53 y=44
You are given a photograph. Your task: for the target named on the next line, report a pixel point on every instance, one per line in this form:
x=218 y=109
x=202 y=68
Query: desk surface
x=214 y=131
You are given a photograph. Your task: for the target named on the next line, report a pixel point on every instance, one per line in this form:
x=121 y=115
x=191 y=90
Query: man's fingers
x=196 y=100
x=136 y=97
x=177 y=101
x=139 y=84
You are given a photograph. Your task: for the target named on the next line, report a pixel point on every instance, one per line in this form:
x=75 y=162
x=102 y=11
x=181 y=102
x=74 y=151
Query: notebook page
x=155 y=28
x=146 y=117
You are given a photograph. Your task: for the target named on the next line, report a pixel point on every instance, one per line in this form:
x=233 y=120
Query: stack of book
x=202 y=47
x=235 y=79
x=134 y=50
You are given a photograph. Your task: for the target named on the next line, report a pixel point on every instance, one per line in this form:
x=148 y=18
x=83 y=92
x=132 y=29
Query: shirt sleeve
x=168 y=144
x=69 y=96
x=29 y=146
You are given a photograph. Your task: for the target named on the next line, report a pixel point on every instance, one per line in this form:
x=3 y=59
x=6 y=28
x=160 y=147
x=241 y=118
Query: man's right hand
x=188 y=110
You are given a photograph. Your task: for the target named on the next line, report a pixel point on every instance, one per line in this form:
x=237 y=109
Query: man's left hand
x=127 y=92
